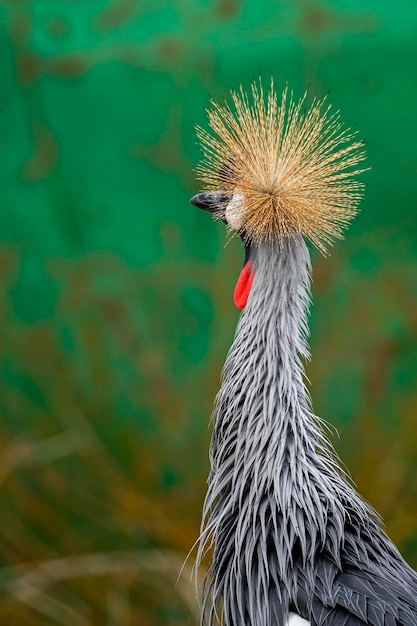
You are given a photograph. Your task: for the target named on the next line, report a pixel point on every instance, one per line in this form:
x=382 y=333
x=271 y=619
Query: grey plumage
x=288 y=530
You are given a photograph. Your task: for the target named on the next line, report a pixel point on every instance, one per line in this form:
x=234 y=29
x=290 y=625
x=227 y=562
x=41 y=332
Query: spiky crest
x=294 y=167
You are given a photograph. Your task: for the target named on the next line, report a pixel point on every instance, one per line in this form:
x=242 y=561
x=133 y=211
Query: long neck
x=263 y=370
x=264 y=425
x=266 y=449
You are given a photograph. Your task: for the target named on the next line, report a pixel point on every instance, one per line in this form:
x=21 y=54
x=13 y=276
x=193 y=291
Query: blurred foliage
x=115 y=294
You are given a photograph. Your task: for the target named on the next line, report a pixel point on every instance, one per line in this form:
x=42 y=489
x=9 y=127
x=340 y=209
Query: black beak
x=211 y=201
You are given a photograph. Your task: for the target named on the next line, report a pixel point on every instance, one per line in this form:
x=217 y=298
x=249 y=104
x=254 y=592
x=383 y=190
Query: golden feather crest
x=293 y=168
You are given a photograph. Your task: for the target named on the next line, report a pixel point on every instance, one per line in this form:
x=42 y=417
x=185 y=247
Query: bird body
x=293 y=542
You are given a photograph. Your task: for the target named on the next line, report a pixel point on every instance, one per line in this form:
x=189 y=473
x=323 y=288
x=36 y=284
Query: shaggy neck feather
x=267 y=446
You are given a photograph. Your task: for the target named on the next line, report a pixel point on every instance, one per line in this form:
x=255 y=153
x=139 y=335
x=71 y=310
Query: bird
x=291 y=542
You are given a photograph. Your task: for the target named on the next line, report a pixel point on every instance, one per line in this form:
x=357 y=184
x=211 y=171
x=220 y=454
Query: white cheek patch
x=234 y=211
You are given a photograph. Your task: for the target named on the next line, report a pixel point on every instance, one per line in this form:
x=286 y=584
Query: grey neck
x=275 y=487
x=262 y=386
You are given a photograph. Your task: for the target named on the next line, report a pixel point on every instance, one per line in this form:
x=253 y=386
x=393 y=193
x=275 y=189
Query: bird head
x=274 y=170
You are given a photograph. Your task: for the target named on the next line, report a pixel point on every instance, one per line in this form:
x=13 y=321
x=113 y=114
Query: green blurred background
x=116 y=294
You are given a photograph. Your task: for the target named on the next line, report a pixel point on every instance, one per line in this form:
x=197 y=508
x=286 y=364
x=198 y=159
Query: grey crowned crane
x=292 y=541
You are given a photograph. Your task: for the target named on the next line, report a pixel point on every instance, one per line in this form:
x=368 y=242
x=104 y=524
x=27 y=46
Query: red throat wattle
x=243 y=286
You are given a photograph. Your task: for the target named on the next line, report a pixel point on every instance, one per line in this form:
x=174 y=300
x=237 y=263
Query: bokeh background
x=116 y=295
